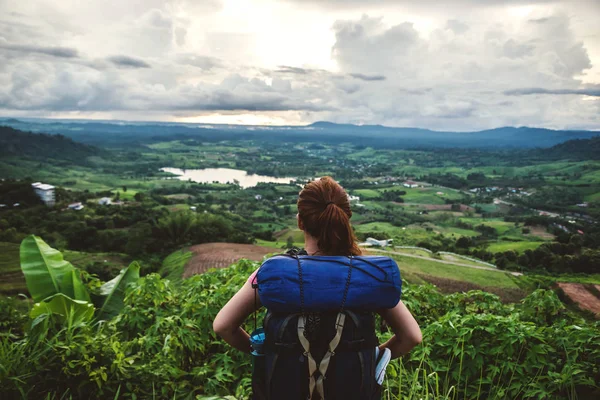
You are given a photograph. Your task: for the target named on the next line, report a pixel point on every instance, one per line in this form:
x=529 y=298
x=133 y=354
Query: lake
x=224 y=175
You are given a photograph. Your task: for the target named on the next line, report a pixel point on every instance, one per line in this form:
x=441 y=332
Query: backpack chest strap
x=321 y=368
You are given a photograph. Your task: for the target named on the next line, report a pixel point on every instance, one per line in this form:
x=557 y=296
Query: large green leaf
x=72 y=286
x=64 y=308
x=113 y=291
x=43 y=267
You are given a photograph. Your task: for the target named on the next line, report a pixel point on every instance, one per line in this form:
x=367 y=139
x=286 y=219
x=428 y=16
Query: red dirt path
x=580 y=295
x=221 y=255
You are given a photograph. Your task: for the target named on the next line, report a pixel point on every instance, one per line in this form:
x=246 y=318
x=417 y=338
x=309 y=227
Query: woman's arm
x=407 y=333
x=229 y=320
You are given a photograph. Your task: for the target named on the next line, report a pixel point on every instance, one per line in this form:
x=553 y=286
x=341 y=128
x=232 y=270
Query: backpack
x=315 y=346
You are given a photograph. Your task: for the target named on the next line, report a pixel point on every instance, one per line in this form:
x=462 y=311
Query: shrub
x=161 y=345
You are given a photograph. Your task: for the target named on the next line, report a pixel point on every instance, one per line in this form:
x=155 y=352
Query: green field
x=413 y=266
x=501 y=226
x=128 y=195
x=519 y=247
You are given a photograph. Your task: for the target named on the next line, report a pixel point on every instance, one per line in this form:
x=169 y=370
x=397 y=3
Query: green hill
x=577 y=149
x=40 y=146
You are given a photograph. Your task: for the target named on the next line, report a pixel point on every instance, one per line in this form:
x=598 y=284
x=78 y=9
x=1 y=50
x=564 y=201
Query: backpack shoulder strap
x=321 y=368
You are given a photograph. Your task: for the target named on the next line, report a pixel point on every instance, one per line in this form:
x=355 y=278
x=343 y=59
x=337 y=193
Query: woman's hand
x=407 y=333
x=228 y=322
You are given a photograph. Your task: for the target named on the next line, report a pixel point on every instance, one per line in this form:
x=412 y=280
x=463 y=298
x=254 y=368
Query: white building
x=410 y=184
x=76 y=206
x=376 y=243
x=45 y=192
x=105 y=201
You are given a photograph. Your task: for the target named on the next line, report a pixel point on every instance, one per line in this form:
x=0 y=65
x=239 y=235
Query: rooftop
x=42 y=186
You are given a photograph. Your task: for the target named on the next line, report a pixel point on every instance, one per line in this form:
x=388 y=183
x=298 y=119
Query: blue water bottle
x=257 y=340
x=259 y=373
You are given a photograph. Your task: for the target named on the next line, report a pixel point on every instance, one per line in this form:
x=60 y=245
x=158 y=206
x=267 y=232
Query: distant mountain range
x=109 y=133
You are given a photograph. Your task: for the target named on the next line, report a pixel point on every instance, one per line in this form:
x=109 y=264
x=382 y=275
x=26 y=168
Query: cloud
x=594 y=92
x=199 y=61
x=464 y=67
x=292 y=70
x=60 y=52
x=128 y=62
x=362 y=4
x=457 y=26
x=364 y=77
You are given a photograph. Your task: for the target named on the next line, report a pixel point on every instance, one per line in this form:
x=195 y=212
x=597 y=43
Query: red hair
x=324 y=211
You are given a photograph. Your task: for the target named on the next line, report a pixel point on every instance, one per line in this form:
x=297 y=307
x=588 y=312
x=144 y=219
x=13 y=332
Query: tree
x=176 y=227
x=290 y=242
x=464 y=242
x=124 y=188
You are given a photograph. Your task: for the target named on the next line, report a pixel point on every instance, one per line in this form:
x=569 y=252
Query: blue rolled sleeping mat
x=375 y=283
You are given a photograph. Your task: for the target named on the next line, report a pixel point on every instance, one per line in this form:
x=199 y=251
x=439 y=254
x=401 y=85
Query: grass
x=277 y=243
x=519 y=247
x=366 y=194
x=410 y=266
x=460 y=260
x=426 y=196
x=451 y=230
x=383 y=227
x=488 y=208
x=416 y=252
x=499 y=225
x=575 y=278
x=128 y=195
x=174 y=264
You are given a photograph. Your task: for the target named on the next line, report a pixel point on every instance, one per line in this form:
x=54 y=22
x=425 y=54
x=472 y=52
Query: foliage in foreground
x=161 y=345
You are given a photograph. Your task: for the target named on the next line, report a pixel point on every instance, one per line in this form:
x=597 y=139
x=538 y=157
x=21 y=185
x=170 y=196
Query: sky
x=459 y=65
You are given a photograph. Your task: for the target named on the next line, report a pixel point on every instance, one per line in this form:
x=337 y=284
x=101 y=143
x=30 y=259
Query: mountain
x=578 y=149
x=119 y=133
x=14 y=142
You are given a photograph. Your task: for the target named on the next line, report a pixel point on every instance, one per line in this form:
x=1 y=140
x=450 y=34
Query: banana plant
x=46 y=271
x=113 y=291
x=63 y=308
x=56 y=287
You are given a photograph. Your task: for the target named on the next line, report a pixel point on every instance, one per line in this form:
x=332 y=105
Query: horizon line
x=102 y=120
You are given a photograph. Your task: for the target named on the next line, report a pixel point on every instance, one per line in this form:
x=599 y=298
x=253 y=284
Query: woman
x=324 y=217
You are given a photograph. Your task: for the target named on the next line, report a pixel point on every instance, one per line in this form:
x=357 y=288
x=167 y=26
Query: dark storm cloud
x=128 y=62
x=61 y=52
x=364 y=77
x=595 y=92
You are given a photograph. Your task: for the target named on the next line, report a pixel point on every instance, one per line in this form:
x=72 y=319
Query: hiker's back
x=320 y=329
